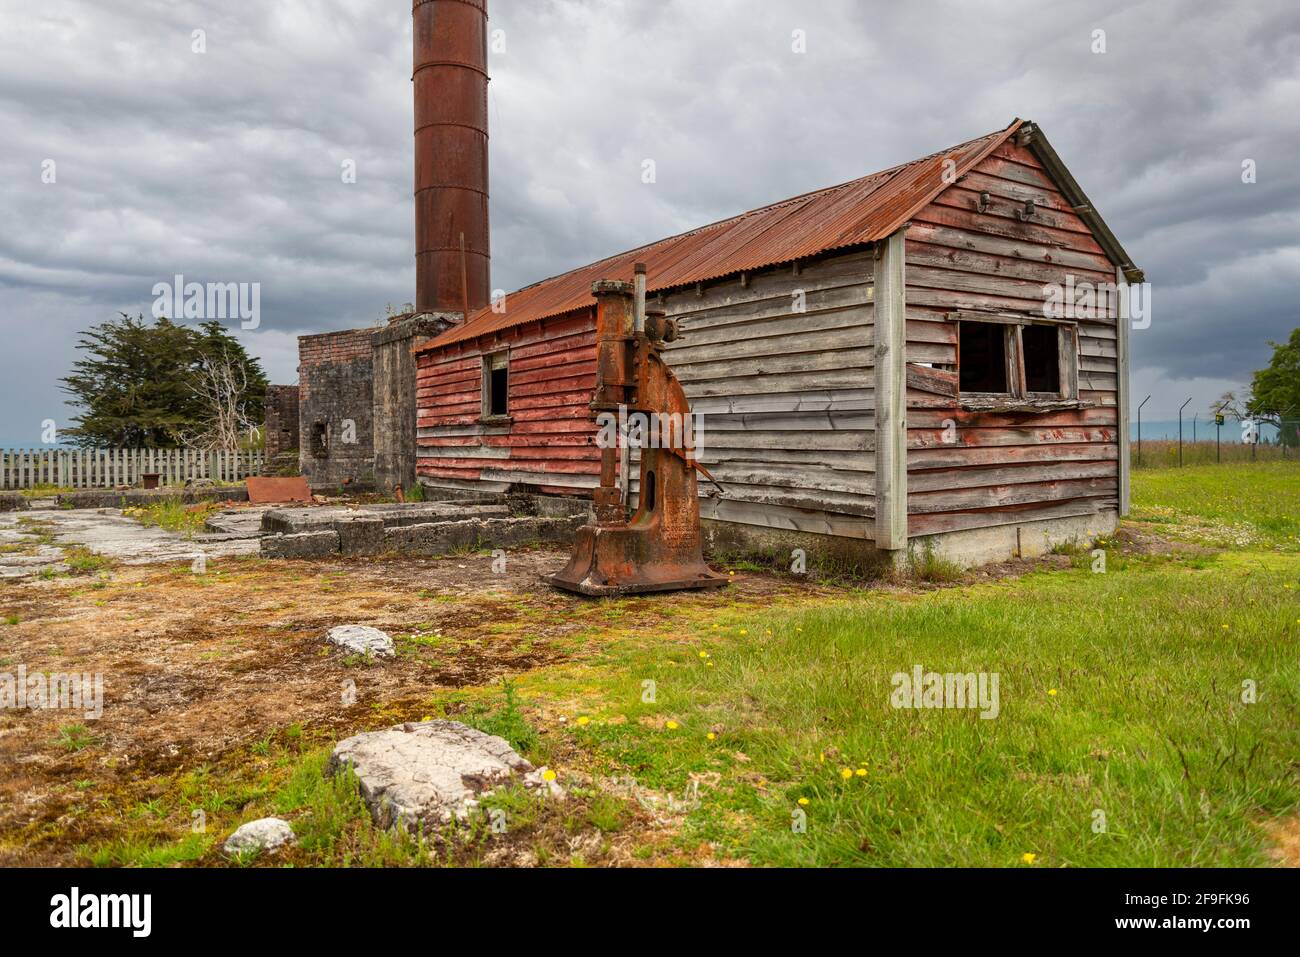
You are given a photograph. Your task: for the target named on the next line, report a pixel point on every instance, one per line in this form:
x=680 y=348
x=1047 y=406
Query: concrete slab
x=105 y=532
x=22 y=556
x=237 y=522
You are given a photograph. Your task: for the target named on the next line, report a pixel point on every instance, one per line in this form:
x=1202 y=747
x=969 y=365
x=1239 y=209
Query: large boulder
x=423 y=775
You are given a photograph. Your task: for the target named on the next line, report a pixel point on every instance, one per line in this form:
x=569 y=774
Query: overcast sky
x=225 y=165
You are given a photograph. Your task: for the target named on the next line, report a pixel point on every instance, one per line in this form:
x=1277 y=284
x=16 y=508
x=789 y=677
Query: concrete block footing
x=124 y=498
x=966 y=548
x=301 y=545
x=416 y=529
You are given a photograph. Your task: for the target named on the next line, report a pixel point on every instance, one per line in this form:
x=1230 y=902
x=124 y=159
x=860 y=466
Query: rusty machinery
x=658 y=548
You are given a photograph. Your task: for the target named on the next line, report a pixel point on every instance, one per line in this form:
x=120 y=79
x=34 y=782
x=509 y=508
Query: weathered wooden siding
x=780 y=366
x=549 y=442
x=1004 y=468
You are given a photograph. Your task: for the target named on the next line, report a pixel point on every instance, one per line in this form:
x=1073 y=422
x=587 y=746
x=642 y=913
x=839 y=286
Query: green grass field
x=1122 y=740
x=1242 y=505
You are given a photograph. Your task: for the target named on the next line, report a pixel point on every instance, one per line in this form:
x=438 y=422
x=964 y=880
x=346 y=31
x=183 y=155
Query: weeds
x=173 y=515
x=925 y=565
x=82 y=561
x=75 y=737
x=507 y=721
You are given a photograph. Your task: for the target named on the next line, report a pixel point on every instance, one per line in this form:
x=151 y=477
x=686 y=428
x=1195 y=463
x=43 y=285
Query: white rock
x=363 y=640
x=422 y=775
x=266 y=834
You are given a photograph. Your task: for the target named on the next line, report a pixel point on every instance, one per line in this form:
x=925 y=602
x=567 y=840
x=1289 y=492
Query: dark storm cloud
x=225 y=166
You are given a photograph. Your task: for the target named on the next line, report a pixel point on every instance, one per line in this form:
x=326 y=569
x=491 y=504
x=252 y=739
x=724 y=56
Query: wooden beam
x=933 y=381
x=891 y=391
x=1122 y=386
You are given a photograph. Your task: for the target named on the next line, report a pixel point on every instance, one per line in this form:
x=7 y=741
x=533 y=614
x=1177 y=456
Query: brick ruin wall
x=336 y=409
x=281 y=420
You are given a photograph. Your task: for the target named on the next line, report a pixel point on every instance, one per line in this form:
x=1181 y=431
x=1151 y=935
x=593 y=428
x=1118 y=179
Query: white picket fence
x=108 y=468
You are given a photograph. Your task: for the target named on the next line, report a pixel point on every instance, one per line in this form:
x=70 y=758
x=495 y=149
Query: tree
x=221 y=388
x=229 y=390
x=1275 y=390
x=149 y=385
x=1232 y=405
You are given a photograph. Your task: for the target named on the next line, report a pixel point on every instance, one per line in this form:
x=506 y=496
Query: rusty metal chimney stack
x=452 y=251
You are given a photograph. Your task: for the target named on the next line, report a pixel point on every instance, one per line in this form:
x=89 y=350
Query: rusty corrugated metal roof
x=851 y=214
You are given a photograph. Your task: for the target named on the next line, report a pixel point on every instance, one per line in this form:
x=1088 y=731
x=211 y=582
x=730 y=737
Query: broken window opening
x=983 y=350
x=320 y=440
x=1042 y=355
x=496 y=386
x=1027 y=360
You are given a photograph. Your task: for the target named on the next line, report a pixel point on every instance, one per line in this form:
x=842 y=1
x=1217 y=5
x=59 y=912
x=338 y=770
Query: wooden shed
x=929 y=357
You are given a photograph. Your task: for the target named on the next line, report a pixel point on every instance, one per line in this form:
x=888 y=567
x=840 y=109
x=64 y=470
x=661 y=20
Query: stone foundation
x=434 y=528
x=116 y=498
x=972 y=547
x=969 y=548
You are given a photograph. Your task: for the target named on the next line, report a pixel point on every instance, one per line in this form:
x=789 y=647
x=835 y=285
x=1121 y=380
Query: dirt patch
x=1139 y=539
x=1285 y=834
x=199 y=668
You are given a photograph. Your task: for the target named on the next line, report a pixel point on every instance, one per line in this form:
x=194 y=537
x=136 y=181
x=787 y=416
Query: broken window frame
x=494 y=361
x=1018 y=392
x=319 y=440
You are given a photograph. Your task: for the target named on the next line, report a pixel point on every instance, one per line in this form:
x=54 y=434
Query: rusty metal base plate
x=633 y=559
x=588 y=587
x=270 y=490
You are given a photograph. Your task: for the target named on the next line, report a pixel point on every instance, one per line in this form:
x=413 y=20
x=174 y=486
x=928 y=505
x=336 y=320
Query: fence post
x=1180 y=431
x=1139 y=416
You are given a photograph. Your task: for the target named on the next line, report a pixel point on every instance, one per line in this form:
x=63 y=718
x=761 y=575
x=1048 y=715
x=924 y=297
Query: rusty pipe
x=451 y=155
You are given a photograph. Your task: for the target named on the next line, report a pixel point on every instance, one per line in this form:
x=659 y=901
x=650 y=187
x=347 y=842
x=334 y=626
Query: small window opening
x=983 y=353
x=320 y=440
x=1042 y=358
x=496 y=385
x=500 y=383
x=649 y=491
